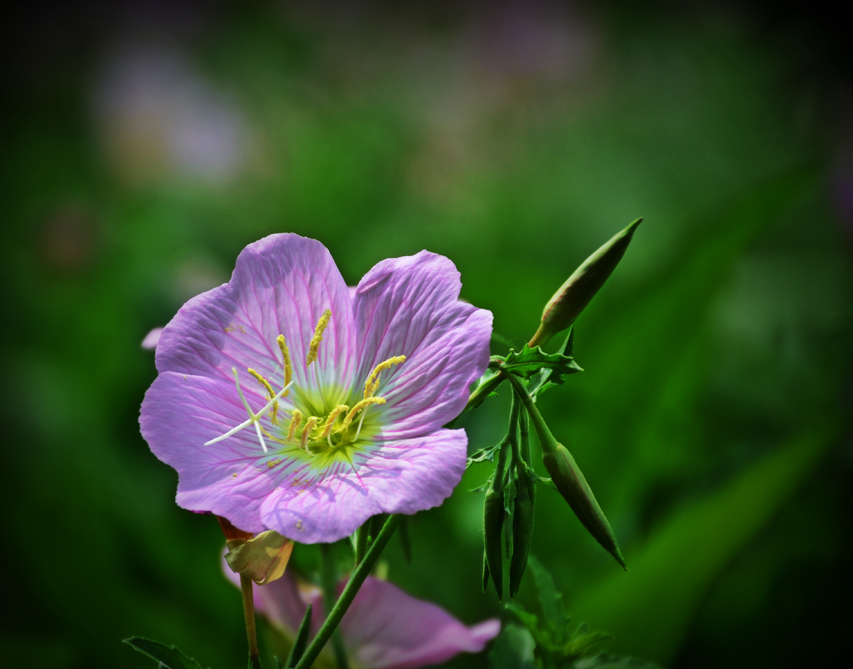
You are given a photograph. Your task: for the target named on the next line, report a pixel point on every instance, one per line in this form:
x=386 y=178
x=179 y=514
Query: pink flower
x=286 y=402
x=384 y=628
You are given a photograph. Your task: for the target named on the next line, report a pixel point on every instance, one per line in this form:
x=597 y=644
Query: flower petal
x=400 y=476
x=281 y=284
x=179 y=414
x=385 y=628
x=409 y=306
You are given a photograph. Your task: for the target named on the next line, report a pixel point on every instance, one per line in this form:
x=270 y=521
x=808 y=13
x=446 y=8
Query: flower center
x=312 y=424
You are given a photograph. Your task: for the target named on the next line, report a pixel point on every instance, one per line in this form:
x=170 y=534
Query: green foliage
x=531 y=361
x=725 y=330
x=513 y=649
x=168 y=657
x=300 y=643
x=550 y=641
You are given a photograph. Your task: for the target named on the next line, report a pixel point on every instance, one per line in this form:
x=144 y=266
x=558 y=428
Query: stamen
x=253 y=417
x=306 y=433
x=294 y=423
x=363 y=404
x=330 y=421
x=288 y=368
x=372 y=383
x=314 y=346
x=270 y=392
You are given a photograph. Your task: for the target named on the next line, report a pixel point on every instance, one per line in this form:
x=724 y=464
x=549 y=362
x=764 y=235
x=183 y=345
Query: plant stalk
x=359 y=574
x=249 y=614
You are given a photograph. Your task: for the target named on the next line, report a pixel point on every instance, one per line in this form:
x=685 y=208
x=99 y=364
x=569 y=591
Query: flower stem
x=330 y=582
x=358 y=576
x=482 y=391
x=249 y=613
x=361 y=537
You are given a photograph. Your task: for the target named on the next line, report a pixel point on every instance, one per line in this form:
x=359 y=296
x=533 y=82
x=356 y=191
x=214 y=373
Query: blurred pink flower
x=384 y=628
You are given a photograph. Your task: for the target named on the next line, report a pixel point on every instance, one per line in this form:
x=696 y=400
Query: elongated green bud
x=573 y=296
x=568 y=478
x=522 y=527
x=572 y=485
x=493 y=522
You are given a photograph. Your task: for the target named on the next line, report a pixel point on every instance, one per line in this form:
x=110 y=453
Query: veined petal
x=281 y=284
x=409 y=306
x=400 y=476
x=179 y=414
x=385 y=628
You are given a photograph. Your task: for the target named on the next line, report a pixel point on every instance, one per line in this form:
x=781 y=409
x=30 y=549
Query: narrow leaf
x=301 y=641
x=528 y=361
x=168 y=656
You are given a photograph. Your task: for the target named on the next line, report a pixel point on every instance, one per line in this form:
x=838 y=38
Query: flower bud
x=493 y=522
x=572 y=485
x=522 y=526
x=263 y=558
x=568 y=478
x=573 y=296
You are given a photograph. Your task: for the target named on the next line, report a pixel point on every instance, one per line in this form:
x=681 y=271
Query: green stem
x=359 y=574
x=330 y=582
x=482 y=391
x=249 y=614
x=539 y=424
x=361 y=536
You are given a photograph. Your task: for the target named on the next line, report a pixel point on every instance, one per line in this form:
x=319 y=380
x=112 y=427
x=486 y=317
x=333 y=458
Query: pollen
x=314 y=346
x=288 y=367
x=296 y=418
x=372 y=383
x=366 y=402
x=270 y=393
x=306 y=432
x=330 y=421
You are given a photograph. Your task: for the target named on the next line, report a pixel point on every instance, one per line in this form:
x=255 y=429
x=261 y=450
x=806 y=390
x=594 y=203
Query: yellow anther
x=270 y=394
x=363 y=404
x=314 y=346
x=306 y=433
x=330 y=421
x=296 y=418
x=288 y=368
x=372 y=383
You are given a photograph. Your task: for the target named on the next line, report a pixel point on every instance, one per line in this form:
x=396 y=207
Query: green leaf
x=542 y=637
x=513 y=649
x=541 y=382
x=168 y=656
x=485 y=454
x=582 y=642
x=607 y=661
x=301 y=641
x=530 y=361
x=676 y=568
x=551 y=601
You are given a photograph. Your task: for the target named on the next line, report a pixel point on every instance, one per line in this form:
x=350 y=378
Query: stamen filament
x=314 y=346
x=306 y=433
x=330 y=421
x=288 y=367
x=367 y=401
x=270 y=393
x=253 y=417
x=296 y=418
x=372 y=383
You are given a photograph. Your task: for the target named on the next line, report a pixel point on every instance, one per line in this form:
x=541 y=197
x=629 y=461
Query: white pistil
x=253 y=417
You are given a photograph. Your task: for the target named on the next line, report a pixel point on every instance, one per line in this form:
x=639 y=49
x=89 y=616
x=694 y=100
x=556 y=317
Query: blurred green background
x=145 y=144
